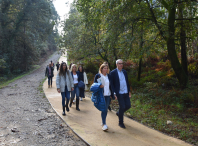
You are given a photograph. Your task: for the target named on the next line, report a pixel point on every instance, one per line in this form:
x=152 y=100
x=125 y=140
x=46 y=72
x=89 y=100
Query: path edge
x=64 y=120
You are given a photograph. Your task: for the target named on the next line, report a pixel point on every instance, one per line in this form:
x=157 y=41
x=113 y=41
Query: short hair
x=102 y=66
x=72 y=67
x=118 y=61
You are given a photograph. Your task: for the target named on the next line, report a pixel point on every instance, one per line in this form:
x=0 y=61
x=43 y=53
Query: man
x=121 y=90
x=57 y=66
x=49 y=73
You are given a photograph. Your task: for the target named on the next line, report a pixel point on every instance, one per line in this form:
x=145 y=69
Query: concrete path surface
x=87 y=124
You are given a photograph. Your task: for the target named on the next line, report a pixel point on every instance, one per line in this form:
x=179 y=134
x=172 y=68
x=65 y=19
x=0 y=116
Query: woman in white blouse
x=103 y=73
x=75 y=92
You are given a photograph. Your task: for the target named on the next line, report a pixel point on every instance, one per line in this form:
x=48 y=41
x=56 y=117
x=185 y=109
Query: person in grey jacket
x=64 y=84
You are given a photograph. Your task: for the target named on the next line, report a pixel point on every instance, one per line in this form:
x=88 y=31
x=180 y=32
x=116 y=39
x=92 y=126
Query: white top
x=107 y=91
x=75 y=78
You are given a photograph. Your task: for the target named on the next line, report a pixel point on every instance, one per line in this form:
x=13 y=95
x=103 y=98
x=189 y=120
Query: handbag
x=81 y=85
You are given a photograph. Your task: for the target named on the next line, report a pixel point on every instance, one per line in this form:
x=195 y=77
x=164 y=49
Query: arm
x=95 y=79
x=71 y=79
x=58 y=81
x=46 y=72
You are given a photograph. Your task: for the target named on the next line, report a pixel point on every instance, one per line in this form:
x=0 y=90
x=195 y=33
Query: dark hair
x=79 y=68
x=70 y=65
x=61 y=71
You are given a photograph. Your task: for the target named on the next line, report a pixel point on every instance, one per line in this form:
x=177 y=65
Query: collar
x=118 y=70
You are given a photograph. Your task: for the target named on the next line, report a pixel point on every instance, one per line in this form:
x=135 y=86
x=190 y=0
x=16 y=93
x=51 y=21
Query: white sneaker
x=105 y=128
x=74 y=101
x=81 y=99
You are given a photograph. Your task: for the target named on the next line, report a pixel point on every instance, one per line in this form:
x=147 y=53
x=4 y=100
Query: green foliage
x=26 y=33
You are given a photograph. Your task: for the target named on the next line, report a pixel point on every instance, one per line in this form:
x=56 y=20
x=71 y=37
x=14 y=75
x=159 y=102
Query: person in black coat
x=49 y=72
x=103 y=74
x=121 y=89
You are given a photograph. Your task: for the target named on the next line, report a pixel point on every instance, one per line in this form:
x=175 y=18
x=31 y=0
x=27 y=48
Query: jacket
x=98 y=76
x=115 y=82
x=97 y=97
x=47 y=71
x=60 y=82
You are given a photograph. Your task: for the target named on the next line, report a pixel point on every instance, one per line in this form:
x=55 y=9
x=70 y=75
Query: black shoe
x=122 y=125
x=63 y=113
x=67 y=109
x=117 y=114
x=109 y=108
x=77 y=109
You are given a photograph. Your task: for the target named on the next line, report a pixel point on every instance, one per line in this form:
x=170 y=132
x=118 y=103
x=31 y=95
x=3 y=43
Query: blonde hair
x=71 y=69
x=102 y=66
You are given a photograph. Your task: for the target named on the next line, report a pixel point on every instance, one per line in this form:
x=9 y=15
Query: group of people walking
x=67 y=83
x=115 y=86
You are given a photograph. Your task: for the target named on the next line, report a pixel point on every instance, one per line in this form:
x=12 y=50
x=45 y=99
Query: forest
x=28 y=32
x=158 y=41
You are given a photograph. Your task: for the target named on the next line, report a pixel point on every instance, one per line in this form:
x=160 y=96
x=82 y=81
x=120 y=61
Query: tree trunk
x=184 y=61
x=140 y=60
x=180 y=73
x=139 y=69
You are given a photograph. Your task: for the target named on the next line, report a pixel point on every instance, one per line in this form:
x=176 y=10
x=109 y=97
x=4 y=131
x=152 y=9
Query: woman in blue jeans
x=76 y=91
x=64 y=84
x=103 y=73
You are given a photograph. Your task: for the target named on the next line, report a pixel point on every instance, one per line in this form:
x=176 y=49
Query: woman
x=49 y=73
x=75 y=92
x=64 y=84
x=82 y=77
x=104 y=73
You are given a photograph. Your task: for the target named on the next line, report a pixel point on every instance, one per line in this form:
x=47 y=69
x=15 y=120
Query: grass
x=40 y=87
x=154 y=107
x=5 y=83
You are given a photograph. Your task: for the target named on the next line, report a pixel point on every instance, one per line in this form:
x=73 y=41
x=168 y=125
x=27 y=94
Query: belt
x=76 y=84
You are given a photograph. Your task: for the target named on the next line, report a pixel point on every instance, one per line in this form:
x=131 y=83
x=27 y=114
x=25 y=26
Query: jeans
x=104 y=114
x=65 y=94
x=49 y=79
x=124 y=105
x=75 y=92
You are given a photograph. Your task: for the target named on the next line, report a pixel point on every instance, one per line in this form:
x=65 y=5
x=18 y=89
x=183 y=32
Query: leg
x=77 y=98
x=67 y=94
x=48 y=81
x=63 y=102
x=72 y=96
x=109 y=105
x=127 y=102
x=104 y=114
x=51 y=81
x=121 y=108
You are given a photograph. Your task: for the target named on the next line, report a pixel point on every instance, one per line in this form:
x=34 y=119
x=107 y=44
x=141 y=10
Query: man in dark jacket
x=49 y=72
x=121 y=89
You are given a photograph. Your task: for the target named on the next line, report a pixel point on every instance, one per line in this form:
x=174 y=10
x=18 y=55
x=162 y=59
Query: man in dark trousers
x=121 y=90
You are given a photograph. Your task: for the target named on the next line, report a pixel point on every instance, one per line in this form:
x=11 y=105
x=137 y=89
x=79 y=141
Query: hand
x=129 y=94
x=101 y=86
x=115 y=97
x=58 y=90
x=72 y=89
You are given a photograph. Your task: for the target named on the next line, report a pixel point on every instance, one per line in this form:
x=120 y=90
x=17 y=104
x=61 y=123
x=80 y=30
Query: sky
x=62 y=7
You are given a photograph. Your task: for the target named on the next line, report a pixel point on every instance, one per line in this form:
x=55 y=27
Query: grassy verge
x=40 y=87
x=155 y=106
x=5 y=83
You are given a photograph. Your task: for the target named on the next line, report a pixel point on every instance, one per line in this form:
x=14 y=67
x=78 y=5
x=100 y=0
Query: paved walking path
x=87 y=123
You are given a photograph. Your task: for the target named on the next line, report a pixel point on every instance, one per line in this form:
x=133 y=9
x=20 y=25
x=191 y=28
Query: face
x=105 y=70
x=64 y=66
x=119 y=64
x=74 y=68
x=80 y=69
